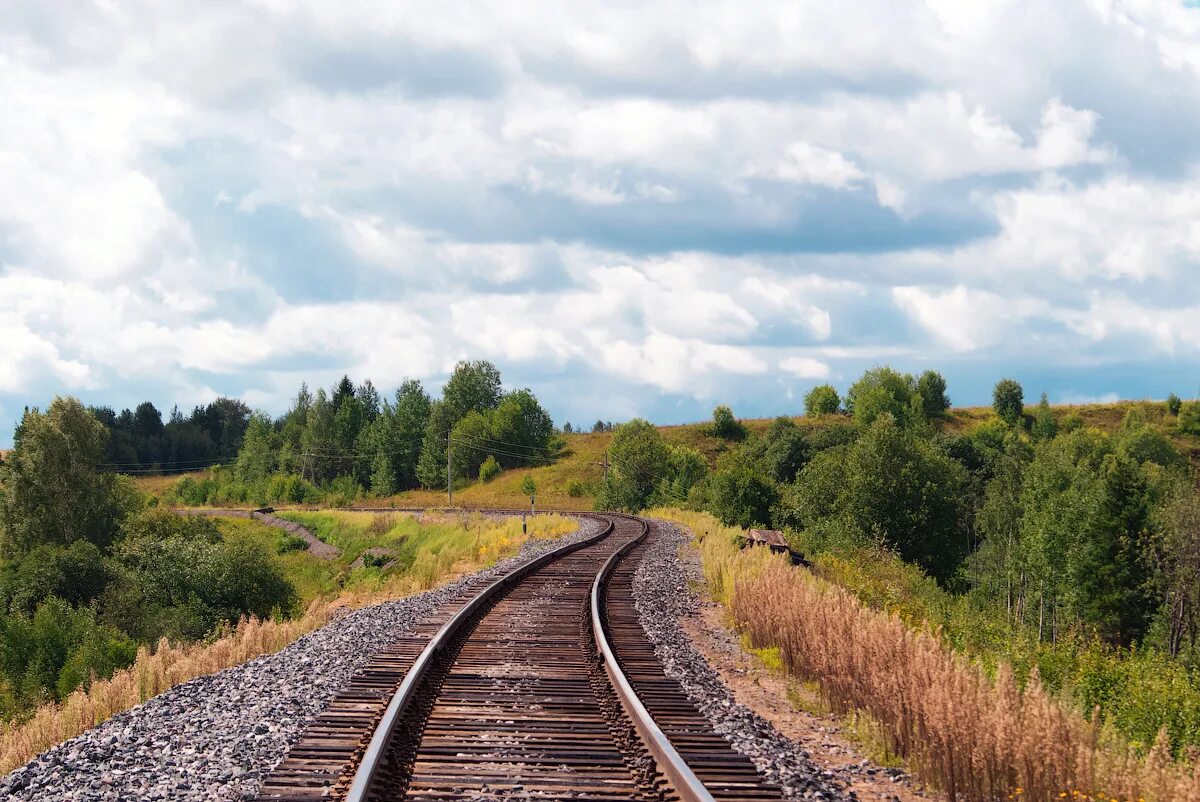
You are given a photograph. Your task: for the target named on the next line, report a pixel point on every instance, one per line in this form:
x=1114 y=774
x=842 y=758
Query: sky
x=634 y=209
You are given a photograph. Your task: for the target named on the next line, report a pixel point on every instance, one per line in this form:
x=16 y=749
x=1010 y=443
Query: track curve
x=539 y=686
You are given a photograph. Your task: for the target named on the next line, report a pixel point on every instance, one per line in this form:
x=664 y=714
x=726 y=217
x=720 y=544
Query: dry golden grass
x=460 y=543
x=960 y=731
x=151 y=673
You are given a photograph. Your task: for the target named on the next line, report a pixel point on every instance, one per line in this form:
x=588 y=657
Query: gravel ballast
x=662 y=596
x=215 y=737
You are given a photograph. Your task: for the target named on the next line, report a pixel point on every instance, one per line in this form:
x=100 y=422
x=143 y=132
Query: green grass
x=425 y=551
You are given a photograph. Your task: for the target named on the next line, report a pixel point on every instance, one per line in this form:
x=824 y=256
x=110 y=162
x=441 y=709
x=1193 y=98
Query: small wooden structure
x=775 y=541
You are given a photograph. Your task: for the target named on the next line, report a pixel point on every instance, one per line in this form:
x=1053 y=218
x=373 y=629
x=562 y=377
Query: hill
x=570 y=482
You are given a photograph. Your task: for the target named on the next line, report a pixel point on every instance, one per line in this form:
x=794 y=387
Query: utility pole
x=449 y=479
x=605 y=466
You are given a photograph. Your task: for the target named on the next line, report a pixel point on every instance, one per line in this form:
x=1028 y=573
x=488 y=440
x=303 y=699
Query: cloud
x=639 y=210
x=803 y=367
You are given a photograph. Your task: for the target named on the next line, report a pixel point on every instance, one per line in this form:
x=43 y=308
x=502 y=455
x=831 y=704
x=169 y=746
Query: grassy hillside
x=569 y=483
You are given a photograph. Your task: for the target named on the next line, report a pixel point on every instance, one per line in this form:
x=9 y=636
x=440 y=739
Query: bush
x=578 y=489
x=726 y=426
x=288 y=542
x=1189 y=418
x=371 y=560
x=822 y=400
x=1008 y=399
x=1173 y=404
x=490 y=469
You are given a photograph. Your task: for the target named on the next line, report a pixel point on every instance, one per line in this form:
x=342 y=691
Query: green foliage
x=640 y=461
x=1174 y=404
x=181 y=579
x=932 y=388
x=894 y=487
x=528 y=486
x=822 y=400
x=1045 y=426
x=781 y=451
x=1008 y=399
x=726 y=426
x=490 y=469
x=287 y=543
x=50 y=488
x=739 y=494
x=883 y=391
x=1189 y=418
x=383 y=476
x=256 y=460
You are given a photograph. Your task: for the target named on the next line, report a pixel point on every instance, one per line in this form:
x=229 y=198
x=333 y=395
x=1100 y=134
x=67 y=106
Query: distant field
x=579 y=469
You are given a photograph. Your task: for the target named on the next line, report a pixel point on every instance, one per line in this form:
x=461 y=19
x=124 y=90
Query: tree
x=640 y=460
x=1176 y=556
x=472 y=387
x=725 y=425
x=1189 y=418
x=1008 y=399
x=529 y=488
x=383 y=477
x=257 y=458
x=490 y=469
x=50 y=488
x=932 y=388
x=520 y=426
x=822 y=400
x=408 y=422
x=740 y=495
x=1173 y=404
x=1045 y=427
x=892 y=486
x=883 y=391
x=781 y=451
x=567 y=428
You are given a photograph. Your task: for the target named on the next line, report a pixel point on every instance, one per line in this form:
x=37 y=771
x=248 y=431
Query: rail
x=402 y=699
x=670 y=762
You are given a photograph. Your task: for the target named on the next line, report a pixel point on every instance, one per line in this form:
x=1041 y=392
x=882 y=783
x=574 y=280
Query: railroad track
x=539 y=686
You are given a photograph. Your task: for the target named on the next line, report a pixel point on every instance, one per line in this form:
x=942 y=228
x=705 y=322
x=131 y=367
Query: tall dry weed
x=153 y=672
x=974 y=738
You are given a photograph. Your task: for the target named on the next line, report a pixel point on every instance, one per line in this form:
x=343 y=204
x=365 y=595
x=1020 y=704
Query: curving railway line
x=539 y=686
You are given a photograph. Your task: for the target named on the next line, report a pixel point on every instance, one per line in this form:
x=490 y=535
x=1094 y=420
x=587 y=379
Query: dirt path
x=772 y=696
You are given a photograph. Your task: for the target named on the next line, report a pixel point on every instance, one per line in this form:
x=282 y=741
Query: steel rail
x=402 y=699
x=670 y=762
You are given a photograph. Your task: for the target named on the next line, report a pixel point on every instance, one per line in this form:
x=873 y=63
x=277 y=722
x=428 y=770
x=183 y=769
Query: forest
x=91 y=568
x=1026 y=537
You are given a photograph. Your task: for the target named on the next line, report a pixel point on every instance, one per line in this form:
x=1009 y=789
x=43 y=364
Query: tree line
x=90 y=570
x=1062 y=527
x=350 y=441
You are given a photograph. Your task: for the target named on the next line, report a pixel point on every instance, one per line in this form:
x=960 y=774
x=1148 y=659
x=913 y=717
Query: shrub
x=1008 y=399
x=489 y=470
x=372 y=560
x=1173 y=404
x=726 y=426
x=822 y=400
x=1189 y=418
x=288 y=542
x=578 y=489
